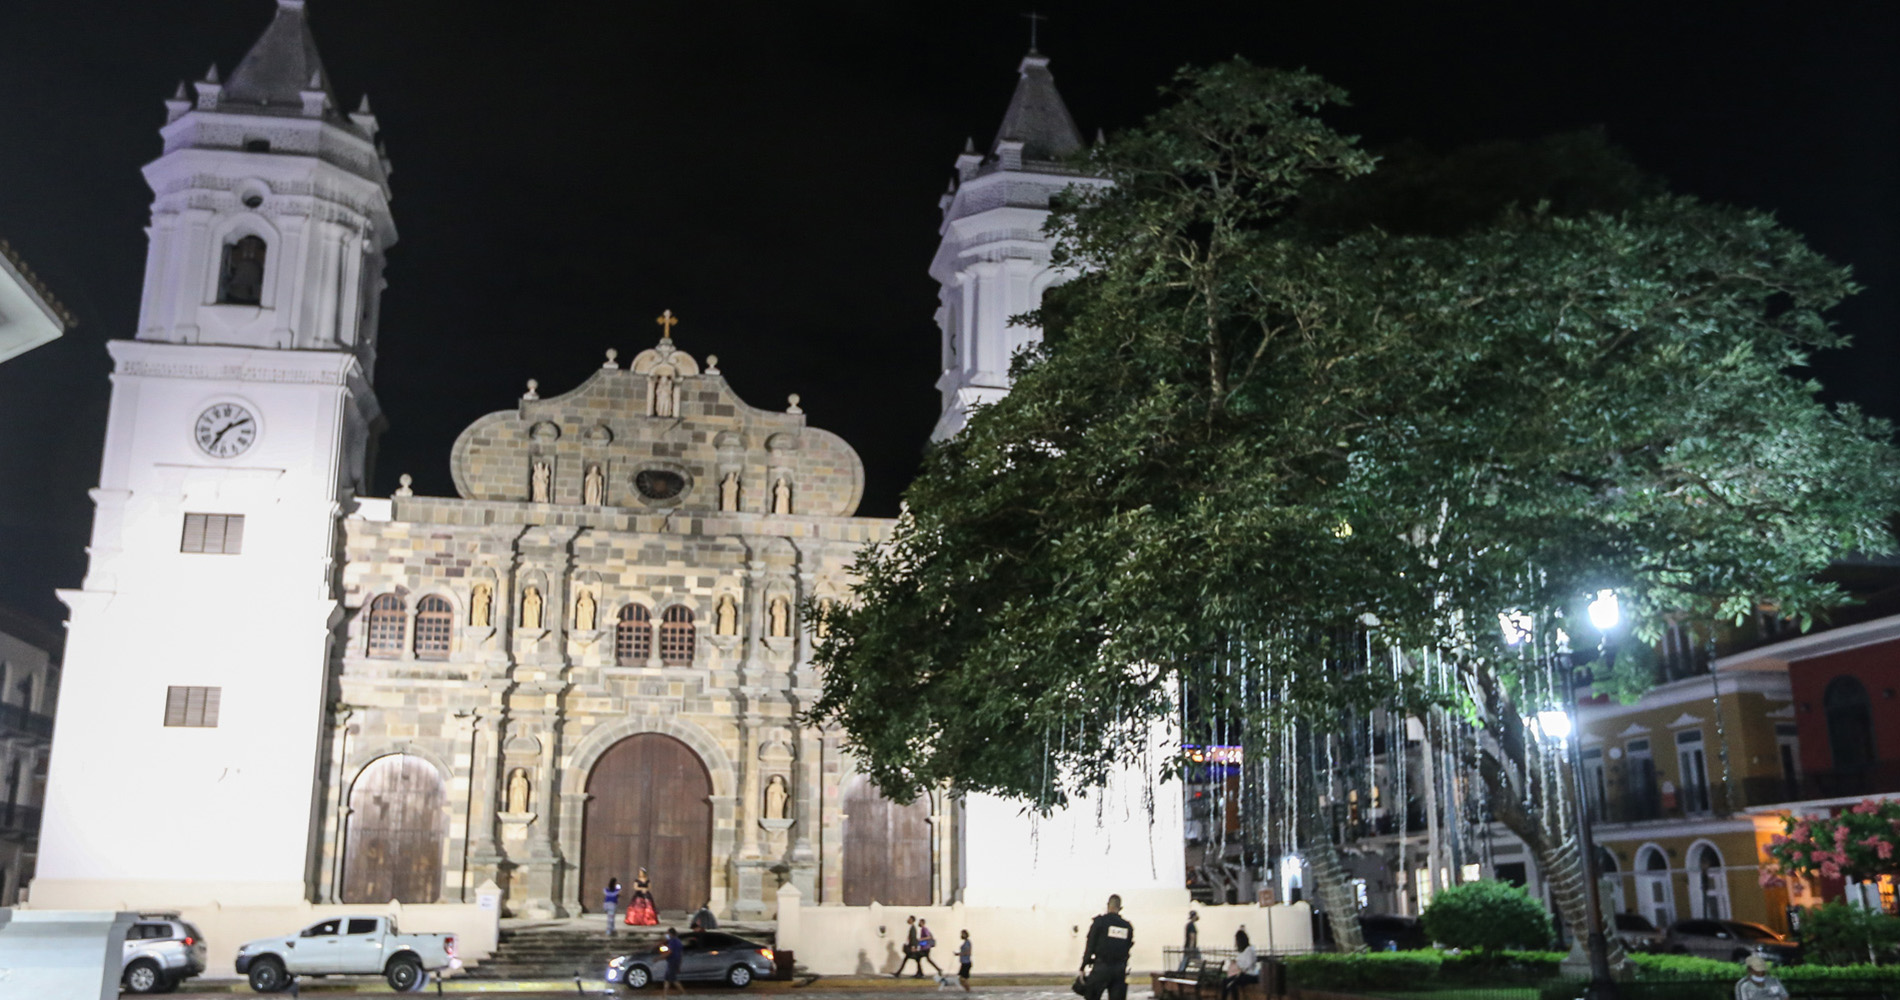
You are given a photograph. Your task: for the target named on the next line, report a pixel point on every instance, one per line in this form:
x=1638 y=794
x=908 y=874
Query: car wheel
x=267 y=975
x=403 y=973
x=638 y=977
x=739 y=975
x=143 y=976
x=169 y=984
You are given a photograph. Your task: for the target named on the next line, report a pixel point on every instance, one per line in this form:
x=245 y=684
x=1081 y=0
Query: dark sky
x=769 y=171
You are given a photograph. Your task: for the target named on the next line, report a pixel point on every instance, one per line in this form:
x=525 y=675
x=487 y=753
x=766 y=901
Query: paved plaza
x=841 y=988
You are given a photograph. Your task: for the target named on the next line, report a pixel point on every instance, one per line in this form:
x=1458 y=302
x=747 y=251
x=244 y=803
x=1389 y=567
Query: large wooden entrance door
x=649 y=804
x=398 y=823
x=886 y=848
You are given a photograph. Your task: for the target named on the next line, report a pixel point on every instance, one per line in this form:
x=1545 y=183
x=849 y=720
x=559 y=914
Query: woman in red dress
x=640 y=909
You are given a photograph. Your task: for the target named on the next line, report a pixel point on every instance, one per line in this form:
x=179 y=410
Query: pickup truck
x=343 y=946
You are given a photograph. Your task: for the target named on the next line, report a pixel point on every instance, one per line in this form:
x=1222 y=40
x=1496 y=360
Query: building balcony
x=18 y=722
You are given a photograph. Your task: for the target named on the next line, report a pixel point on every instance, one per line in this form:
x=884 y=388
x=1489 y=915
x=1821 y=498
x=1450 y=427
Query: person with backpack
x=925 y=942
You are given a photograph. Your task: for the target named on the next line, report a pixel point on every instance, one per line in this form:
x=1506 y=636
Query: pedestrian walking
x=910 y=951
x=963 y=960
x=1191 y=942
x=1242 y=970
x=675 y=953
x=926 y=941
x=612 y=896
x=1105 y=956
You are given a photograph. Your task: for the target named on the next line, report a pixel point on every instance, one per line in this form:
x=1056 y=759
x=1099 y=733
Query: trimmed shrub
x=1486 y=916
x=1478 y=968
x=1683 y=967
x=1839 y=934
x=1377 y=970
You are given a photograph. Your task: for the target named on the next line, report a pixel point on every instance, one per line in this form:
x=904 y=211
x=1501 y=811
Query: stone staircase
x=557 y=949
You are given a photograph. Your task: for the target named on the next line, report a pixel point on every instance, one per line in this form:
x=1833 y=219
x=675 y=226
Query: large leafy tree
x=1283 y=455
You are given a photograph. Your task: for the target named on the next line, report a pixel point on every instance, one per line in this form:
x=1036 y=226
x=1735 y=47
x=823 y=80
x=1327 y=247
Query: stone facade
x=691 y=489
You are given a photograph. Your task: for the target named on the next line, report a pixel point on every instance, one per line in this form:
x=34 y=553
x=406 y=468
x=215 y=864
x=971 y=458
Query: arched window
x=241 y=279
x=386 y=622
x=633 y=636
x=676 y=635
x=1850 y=724
x=435 y=619
x=1708 y=881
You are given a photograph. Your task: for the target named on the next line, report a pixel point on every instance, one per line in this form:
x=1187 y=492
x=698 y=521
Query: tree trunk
x=1511 y=774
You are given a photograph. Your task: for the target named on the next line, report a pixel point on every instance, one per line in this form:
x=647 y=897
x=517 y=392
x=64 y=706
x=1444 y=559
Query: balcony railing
x=17 y=721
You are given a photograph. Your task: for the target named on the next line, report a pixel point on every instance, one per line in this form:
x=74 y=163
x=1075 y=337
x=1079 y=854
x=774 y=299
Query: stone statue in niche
x=540 y=481
x=531 y=607
x=518 y=791
x=781 y=612
x=585 y=612
x=480 y=600
x=729 y=492
x=776 y=798
x=781 y=496
x=726 y=616
x=818 y=626
x=594 y=487
x=662 y=402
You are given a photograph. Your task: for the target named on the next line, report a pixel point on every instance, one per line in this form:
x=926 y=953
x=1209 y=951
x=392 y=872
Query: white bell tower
x=190 y=728
x=993 y=260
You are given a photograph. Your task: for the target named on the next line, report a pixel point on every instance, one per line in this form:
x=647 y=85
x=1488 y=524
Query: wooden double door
x=886 y=848
x=649 y=804
x=397 y=827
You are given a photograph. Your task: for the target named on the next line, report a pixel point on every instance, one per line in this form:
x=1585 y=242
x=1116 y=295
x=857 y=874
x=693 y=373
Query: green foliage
x=1249 y=440
x=1839 y=934
x=1858 y=844
x=1486 y=916
x=1683 y=967
x=1478 y=968
x=1365 y=970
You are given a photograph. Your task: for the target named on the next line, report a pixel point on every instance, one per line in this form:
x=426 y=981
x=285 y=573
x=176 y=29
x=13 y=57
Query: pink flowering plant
x=1857 y=845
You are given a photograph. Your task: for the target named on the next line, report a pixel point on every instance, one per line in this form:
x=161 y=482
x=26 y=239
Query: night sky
x=770 y=171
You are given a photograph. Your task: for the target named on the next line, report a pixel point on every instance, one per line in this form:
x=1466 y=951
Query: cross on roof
x=667 y=320
x=1034 y=20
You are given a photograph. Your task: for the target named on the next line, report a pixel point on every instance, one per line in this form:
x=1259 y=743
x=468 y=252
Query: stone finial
x=712 y=364
x=532 y=392
x=211 y=75
x=791 y=402
x=404 y=482
x=611 y=362
x=179 y=94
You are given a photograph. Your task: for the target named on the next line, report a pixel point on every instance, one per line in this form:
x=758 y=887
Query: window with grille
x=676 y=635
x=633 y=636
x=434 y=620
x=192 y=706
x=386 y=614
x=213 y=534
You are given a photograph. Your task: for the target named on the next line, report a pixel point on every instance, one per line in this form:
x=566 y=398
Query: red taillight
x=767 y=953
x=188 y=941
x=450 y=944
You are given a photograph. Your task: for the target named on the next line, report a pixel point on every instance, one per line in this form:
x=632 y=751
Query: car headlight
x=618 y=961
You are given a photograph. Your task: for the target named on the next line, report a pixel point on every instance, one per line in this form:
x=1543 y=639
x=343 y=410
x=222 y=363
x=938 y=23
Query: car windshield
x=1633 y=922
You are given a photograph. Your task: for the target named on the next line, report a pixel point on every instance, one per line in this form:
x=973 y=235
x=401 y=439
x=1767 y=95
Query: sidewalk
x=858 y=987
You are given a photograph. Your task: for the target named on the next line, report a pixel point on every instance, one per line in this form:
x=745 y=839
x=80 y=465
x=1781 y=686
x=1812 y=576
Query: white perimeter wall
x=846 y=940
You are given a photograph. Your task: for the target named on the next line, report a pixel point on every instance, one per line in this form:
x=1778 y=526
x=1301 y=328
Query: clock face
x=225 y=430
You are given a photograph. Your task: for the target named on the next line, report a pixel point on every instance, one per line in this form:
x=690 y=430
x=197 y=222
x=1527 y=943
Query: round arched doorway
x=649 y=805
x=398 y=823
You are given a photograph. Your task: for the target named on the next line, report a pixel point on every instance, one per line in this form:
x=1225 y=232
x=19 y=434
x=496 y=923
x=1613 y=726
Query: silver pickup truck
x=345 y=946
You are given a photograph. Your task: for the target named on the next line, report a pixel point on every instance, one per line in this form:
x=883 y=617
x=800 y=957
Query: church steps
x=560 y=949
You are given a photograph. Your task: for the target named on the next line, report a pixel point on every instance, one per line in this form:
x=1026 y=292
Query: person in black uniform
x=1105 y=957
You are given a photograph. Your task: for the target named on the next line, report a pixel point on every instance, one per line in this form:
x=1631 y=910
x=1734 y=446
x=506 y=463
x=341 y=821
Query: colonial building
x=591 y=660
x=29 y=314
x=29 y=687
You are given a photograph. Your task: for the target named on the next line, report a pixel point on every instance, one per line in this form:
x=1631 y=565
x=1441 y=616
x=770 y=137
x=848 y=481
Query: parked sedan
x=709 y=956
x=1731 y=940
x=1638 y=933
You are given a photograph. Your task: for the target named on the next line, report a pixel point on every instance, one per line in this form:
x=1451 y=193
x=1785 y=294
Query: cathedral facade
x=593 y=655
x=593 y=658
